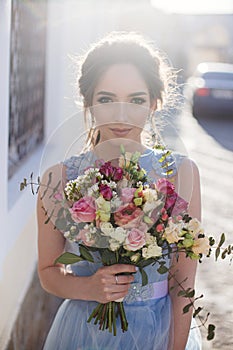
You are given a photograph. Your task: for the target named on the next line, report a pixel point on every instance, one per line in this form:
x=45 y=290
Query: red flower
x=106 y=191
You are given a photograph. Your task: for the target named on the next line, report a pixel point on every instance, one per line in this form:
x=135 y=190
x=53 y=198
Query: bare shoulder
x=51 y=189
x=187 y=183
x=53 y=175
x=188 y=167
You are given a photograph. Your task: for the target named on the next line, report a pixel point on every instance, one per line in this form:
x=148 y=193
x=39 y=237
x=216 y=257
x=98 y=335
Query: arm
x=101 y=286
x=188 y=186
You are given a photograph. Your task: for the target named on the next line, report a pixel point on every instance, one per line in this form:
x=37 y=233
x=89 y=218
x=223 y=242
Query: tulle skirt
x=149 y=328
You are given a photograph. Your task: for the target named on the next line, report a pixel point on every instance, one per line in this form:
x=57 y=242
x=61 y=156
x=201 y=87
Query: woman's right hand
x=109 y=283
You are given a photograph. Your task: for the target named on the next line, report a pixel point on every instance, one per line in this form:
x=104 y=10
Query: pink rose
x=135 y=240
x=127 y=194
x=84 y=236
x=83 y=210
x=128 y=216
x=181 y=206
x=106 y=191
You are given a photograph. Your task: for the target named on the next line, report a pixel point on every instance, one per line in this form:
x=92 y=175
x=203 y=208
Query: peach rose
x=128 y=216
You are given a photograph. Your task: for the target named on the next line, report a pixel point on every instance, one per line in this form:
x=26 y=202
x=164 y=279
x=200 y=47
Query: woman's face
x=121 y=103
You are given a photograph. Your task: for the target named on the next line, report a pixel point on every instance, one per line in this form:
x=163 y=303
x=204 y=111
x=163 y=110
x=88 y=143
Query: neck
x=111 y=150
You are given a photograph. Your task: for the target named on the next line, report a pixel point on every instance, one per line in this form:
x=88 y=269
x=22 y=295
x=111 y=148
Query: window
x=27 y=80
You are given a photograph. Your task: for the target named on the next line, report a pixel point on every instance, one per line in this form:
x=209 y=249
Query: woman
x=123 y=82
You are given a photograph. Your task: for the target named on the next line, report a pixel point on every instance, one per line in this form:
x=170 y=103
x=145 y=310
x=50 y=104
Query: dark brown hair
x=126 y=47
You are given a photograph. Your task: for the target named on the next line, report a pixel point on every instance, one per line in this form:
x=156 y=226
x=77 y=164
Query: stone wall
x=33 y=322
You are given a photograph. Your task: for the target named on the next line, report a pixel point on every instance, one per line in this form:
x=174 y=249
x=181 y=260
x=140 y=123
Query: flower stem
x=94 y=312
x=114 y=319
x=110 y=316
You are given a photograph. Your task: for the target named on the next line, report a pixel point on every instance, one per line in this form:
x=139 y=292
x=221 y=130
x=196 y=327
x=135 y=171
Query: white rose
x=114 y=245
x=194 y=226
x=150 y=239
x=119 y=235
x=152 y=251
x=172 y=232
x=107 y=228
x=150 y=195
x=148 y=207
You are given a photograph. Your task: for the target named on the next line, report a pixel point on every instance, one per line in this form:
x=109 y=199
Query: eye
x=104 y=99
x=138 y=100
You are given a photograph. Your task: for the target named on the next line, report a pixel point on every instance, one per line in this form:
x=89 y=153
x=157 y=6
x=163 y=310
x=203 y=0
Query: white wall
x=71 y=26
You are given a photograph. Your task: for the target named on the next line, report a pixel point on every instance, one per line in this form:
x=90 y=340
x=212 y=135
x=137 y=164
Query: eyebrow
x=138 y=93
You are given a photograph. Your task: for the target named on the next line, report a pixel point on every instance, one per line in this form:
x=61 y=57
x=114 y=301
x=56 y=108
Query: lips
x=120 y=132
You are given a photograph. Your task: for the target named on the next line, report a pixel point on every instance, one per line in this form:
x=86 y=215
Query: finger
x=121 y=268
x=115 y=296
x=122 y=279
x=117 y=288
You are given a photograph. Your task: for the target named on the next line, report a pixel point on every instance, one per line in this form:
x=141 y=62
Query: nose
x=121 y=112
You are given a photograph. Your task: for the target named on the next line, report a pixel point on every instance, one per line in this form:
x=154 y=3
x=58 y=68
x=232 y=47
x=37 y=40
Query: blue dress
x=148 y=309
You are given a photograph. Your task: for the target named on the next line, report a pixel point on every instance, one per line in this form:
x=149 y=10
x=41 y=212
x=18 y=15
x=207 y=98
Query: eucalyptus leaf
x=222 y=240
x=187 y=308
x=197 y=311
x=85 y=254
x=68 y=258
x=108 y=257
x=144 y=276
x=61 y=224
x=211 y=332
x=217 y=252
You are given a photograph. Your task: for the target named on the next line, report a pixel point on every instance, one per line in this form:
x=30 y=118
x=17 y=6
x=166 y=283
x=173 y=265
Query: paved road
x=210 y=144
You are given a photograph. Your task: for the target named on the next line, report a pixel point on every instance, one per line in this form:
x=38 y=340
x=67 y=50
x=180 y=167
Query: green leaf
x=212 y=241
x=188 y=293
x=108 y=257
x=61 y=224
x=68 y=258
x=49 y=217
x=211 y=332
x=144 y=276
x=187 y=307
x=197 y=311
x=222 y=240
x=85 y=254
x=217 y=252
x=162 y=269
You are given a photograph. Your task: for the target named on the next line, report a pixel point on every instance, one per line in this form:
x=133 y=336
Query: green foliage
x=211 y=332
x=85 y=254
x=68 y=258
x=144 y=276
x=188 y=293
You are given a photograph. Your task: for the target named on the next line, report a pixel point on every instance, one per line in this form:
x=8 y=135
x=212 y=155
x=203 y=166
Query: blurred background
x=38 y=101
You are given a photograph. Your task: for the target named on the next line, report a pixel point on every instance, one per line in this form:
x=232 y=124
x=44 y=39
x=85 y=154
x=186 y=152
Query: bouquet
x=124 y=216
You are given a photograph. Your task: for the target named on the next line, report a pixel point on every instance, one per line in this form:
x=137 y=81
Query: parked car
x=210 y=90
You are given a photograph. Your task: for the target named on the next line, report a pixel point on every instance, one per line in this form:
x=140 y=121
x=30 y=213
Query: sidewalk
x=214 y=280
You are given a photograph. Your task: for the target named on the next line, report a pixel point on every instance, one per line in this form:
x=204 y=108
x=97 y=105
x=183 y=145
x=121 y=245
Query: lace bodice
x=150 y=160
